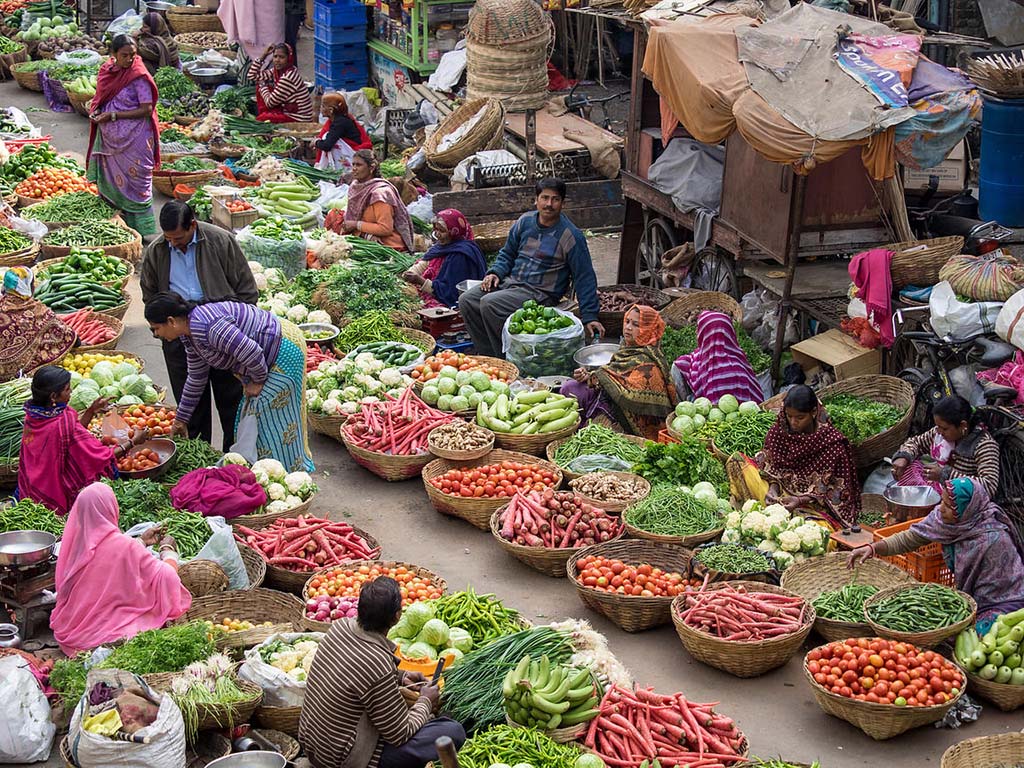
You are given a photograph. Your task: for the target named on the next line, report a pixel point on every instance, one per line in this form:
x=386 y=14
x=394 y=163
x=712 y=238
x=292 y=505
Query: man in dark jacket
x=201 y=262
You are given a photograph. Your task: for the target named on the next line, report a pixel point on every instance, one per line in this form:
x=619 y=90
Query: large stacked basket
x=1005 y=696
x=917 y=262
x=329 y=426
x=552 y=448
x=507 y=47
x=476 y=511
x=202 y=577
x=686 y=309
x=487 y=133
x=295 y=581
x=183 y=19
x=928 y=639
x=830 y=572
x=739 y=658
x=632 y=614
x=27 y=78
x=111 y=322
x=284 y=611
x=985 y=752
x=129 y=251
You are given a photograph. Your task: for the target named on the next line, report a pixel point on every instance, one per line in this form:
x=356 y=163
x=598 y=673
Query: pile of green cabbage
x=121 y=384
x=419 y=635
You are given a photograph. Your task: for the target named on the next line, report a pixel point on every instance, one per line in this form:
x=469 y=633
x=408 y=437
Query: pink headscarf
x=109 y=586
x=458 y=227
x=718 y=365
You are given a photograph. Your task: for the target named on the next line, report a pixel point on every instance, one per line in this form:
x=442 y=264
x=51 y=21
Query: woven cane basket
x=129 y=251
x=284 y=611
x=486 y=133
x=985 y=752
x=182 y=22
x=611 y=507
x=928 y=639
x=686 y=309
x=917 y=262
x=550 y=561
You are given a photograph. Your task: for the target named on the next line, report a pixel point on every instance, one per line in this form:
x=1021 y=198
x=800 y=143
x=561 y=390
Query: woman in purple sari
x=124 y=145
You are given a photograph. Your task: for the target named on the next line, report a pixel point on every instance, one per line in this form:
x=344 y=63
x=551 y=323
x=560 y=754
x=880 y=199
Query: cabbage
x=111 y=392
x=76 y=379
x=124 y=369
x=749 y=407
x=129 y=400
x=490 y=396
x=500 y=387
x=435 y=632
x=716 y=414
x=444 y=402
x=133 y=384
x=461 y=639
x=588 y=760
x=103 y=373
x=466 y=391
x=683 y=424
x=728 y=404
x=475 y=399
x=686 y=408
x=150 y=395
x=447 y=386
x=417 y=615
x=462 y=378
x=82 y=398
x=480 y=381
x=430 y=394
x=455 y=653
x=402 y=630
x=459 y=403
x=447 y=372
x=420 y=650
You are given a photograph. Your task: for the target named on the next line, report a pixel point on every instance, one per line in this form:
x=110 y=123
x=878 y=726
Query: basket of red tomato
x=883 y=687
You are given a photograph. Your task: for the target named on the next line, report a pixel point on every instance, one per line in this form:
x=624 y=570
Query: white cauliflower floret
x=297 y=313
x=261 y=282
x=318 y=316
x=367 y=363
x=276 y=491
x=349 y=408
x=331 y=406
x=755 y=524
x=783 y=560
x=369 y=399
x=789 y=541
x=279 y=308
x=731 y=536
x=284 y=296
x=278 y=506
x=367 y=382
x=256 y=268
x=299 y=483
x=811 y=538
x=733 y=520
x=234 y=458
x=769 y=546
x=274 y=469
x=351 y=393
x=391 y=377
x=292 y=501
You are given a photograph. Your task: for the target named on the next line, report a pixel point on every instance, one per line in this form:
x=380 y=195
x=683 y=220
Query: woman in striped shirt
x=266 y=353
x=281 y=93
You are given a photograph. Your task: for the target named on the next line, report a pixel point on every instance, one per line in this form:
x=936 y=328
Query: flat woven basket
x=632 y=614
x=23 y=258
x=612 y=321
x=549 y=561
x=742 y=659
x=612 y=507
x=130 y=251
x=689 y=542
x=985 y=751
x=202 y=577
x=284 y=611
x=111 y=322
x=476 y=511
x=830 y=572
x=385 y=466
x=701 y=571
x=491 y=235
x=420 y=339
x=215 y=716
x=165 y=182
x=286 y=745
x=879 y=721
x=469 y=455
x=565 y=735
x=258 y=520
x=27 y=80
x=537 y=442
x=686 y=309
x=928 y=639
x=487 y=133
x=1006 y=697
x=917 y=262
x=120 y=282
x=182 y=22
x=295 y=581
x=329 y=426
x=551 y=448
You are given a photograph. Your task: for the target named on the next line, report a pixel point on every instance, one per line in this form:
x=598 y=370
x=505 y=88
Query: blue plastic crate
x=341 y=52
x=350 y=74
x=338 y=36
x=329 y=14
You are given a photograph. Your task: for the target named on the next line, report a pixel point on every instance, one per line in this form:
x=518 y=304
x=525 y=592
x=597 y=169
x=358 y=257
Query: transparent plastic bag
x=287 y=255
x=128 y=23
x=548 y=354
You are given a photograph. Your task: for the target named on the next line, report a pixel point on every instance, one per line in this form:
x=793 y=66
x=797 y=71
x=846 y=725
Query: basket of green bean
x=113 y=238
x=922 y=614
x=732 y=562
x=671 y=515
x=838 y=594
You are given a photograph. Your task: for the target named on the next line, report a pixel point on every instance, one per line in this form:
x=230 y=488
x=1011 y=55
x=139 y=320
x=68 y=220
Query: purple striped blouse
x=228 y=336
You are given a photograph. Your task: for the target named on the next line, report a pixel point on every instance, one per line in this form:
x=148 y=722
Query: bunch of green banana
x=548 y=696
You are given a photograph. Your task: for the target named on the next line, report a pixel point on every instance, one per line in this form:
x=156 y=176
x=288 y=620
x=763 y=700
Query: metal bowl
x=465 y=285
x=208 y=75
x=257 y=759
x=25 y=547
x=906 y=502
x=595 y=356
x=314 y=327
x=164 y=448
x=159 y=6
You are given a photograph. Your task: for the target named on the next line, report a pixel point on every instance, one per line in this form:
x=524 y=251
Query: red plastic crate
x=924 y=564
x=665 y=437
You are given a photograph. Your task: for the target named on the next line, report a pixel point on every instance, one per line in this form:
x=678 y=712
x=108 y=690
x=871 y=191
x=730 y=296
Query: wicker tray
x=120 y=283
x=830 y=572
x=130 y=251
x=1006 y=697
x=80 y=102
x=612 y=321
x=224 y=151
x=255 y=565
x=879 y=721
x=487 y=133
x=565 y=735
x=685 y=309
x=928 y=639
x=423 y=340
x=549 y=561
x=384 y=465
x=23 y=258
x=613 y=507
x=258 y=520
x=742 y=659
x=120 y=310
x=255 y=605
x=687 y=542
x=215 y=716
x=985 y=752
x=202 y=577
x=632 y=614
x=552 y=447
x=286 y=745
x=476 y=511
x=329 y=426
x=537 y=442
x=295 y=581
x=27 y=80
x=701 y=571
x=476 y=453
x=921 y=267
x=111 y=322
x=165 y=182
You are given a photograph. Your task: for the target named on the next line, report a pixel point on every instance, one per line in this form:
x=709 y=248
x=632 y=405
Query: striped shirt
x=289 y=93
x=975 y=456
x=353 y=703
x=227 y=336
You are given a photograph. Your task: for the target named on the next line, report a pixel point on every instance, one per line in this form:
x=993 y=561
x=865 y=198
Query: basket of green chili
x=922 y=614
x=838 y=594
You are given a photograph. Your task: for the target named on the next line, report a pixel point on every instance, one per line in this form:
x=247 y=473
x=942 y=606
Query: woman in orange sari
x=634 y=388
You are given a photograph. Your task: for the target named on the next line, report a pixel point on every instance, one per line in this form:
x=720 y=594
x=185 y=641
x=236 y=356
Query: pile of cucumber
x=526 y=413
x=393 y=354
x=66 y=293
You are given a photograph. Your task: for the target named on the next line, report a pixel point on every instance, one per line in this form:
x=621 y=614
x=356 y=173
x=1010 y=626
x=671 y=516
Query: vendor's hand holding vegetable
x=411 y=678
x=489 y=283
x=141 y=437
x=860 y=555
x=349 y=227
x=899 y=466
x=594 y=328
x=99 y=405
x=152 y=536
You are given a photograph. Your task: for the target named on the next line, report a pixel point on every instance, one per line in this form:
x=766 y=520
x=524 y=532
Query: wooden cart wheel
x=714 y=270
x=659 y=236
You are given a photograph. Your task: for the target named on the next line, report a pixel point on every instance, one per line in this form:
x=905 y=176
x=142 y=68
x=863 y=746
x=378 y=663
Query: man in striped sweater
x=354 y=715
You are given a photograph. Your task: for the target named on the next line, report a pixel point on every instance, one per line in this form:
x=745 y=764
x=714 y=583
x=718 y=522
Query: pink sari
x=59 y=457
x=109 y=586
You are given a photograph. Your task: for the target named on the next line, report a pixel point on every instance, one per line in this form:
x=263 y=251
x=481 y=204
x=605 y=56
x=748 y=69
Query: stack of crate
x=340 y=44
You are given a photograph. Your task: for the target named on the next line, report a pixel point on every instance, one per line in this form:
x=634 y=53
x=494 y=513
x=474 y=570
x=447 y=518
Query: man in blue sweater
x=543 y=254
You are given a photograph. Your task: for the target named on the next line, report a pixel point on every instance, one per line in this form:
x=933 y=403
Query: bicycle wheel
x=928 y=390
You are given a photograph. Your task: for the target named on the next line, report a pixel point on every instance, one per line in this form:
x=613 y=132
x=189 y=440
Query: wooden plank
x=815 y=280
x=549 y=131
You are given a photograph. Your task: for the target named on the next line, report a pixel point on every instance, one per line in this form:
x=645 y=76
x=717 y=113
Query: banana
x=555 y=682
x=582 y=706
x=550 y=707
x=508 y=684
x=575 y=718
x=579 y=694
x=522 y=668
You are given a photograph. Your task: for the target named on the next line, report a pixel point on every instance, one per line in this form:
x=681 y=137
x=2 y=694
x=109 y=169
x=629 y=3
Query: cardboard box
x=834 y=349
x=951 y=173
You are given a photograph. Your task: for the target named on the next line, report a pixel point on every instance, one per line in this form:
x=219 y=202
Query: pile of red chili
x=397 y=425
x=306 y=543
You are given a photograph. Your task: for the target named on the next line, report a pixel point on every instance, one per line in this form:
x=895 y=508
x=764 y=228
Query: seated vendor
x=453 y=258
x=354 y=714
x=281 y=93
x=374 y=210
x=109 y=586
x=957 y=446
x=980 y=545
x=31 y=334
x=155 y=44
x=718 y=366
x=341 y=135
x=59 y=455
x=543 y=254
x=809 y=463
x=634 y=388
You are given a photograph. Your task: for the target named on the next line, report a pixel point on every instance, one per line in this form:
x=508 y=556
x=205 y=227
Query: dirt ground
x=777 y=711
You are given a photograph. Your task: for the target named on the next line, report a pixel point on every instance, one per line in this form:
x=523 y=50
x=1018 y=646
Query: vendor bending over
x=543 y=253
x=354 y=714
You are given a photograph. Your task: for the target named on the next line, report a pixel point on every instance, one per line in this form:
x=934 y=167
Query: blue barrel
x=1001 y=176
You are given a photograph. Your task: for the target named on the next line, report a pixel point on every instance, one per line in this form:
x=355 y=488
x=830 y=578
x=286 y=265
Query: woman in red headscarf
x=634 y=388
x=453 y=258
x=341 y=135
x=281 y=93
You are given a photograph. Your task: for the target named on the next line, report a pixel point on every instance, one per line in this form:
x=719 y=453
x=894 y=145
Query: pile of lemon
x=228 y=624
x=82 y=362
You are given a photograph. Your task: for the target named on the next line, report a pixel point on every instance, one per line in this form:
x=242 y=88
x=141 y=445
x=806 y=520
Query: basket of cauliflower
x=339 y=388
x=279 y=666
x=777 y=532
x=288 y=493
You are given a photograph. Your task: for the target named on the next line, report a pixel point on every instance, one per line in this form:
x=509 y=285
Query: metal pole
x=796 y=217
x=446 y=752
x=531 y=145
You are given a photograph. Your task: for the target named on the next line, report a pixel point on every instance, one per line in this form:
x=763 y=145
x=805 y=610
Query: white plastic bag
x=26 y=733
x=279 y=688
x=287 y=255
x=222 y=550
x=956 y=319
x=128 y=23
x=423 y=208
x=1010 y=322
x=548 y=354
x=246 y=433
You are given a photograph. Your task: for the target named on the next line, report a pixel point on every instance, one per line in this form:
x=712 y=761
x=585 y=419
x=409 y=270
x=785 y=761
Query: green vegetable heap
x=538 y=320
x=26 y=515
x=90 y=264
x=507 y=745
x=485 y=617
x=732 y=558
x=189 y=165
x=687 y=462
x=682 y=341
x=32 y=158
x=172 y=84
x=75 y=206
x=846 y=604
x=9 y=46
x=919 y=609
x=672 y=511
x=598 y=440
x=859 y=418
x=11 y=241
x=90 y=234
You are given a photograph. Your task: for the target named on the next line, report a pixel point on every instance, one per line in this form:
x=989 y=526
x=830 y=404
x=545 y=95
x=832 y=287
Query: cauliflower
x=369 y=399
x=278 y=506
x=286 y=661
x=256 y=268
x=261 y=282
x=391 y=377
x=783 y=560
x=769 y=546
x=300 y=484
x=297 y=313
x=331 y=407
x=778 y=517
x=275 y=469
x=297 y=673
x=276 y=491
x=318 y=316
x=733 y=520
x=351 y=393
x=349 y=408
x=811 y=538
x=755 y=524
x=234 y=458
x=279 y=308
x=292 y=501
x=730 y=536
x=367 y=382
x=789 y=541
x=367 y=363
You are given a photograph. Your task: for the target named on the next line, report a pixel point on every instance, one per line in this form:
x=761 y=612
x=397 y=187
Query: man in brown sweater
x=353 y=714
x=202 y=263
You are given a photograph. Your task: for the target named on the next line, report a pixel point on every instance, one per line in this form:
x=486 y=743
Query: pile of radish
x=555 y=520
x=733 y=613
x=306 y=543
x=397 y=426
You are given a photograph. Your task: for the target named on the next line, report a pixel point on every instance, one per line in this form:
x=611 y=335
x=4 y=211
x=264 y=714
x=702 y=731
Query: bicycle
x=583 y=105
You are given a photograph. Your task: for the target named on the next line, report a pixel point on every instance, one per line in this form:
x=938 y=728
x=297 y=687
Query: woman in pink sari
x=59 y=456
x=124 y=143
x=109 y=586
